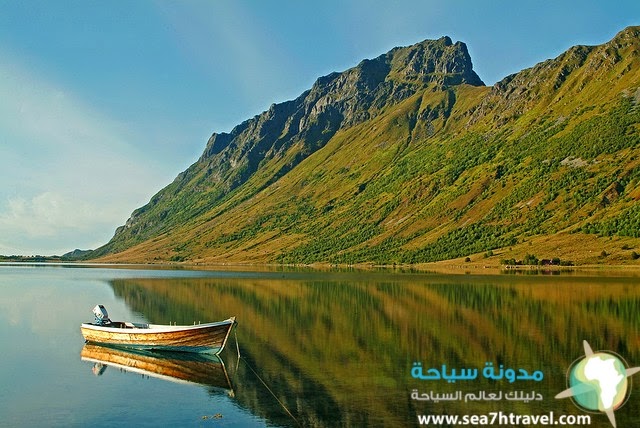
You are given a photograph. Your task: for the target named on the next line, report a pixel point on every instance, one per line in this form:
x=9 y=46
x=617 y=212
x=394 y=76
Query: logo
x=599 y=382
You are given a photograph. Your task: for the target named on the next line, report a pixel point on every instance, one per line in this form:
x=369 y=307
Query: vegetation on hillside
x=422 y=166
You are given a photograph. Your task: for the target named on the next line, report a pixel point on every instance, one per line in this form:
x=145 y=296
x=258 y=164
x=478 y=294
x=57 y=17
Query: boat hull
x=210 y=337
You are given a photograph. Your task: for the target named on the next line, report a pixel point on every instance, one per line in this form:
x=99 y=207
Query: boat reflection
x=182 y=367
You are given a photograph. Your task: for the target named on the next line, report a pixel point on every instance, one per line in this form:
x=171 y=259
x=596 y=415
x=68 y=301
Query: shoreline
x=446 y=267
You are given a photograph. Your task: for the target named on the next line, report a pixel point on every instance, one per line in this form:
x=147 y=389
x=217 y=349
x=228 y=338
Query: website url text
x=500 y=418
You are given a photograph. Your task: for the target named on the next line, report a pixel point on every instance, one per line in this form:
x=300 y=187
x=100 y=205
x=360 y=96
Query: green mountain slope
x=409 y=158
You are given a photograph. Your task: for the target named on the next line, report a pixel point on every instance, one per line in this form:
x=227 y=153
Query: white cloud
x=39 y=119
x=50 y=213
x=70 y=175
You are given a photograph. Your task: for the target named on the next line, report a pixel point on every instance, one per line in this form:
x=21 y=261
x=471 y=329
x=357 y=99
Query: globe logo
x=603 y=378
x=599 y=382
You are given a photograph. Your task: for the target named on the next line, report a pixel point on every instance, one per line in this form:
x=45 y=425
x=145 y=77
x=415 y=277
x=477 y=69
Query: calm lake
x=312 y=349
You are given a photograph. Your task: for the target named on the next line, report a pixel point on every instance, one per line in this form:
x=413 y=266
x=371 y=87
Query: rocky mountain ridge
x=335 y=101
x=403 y=154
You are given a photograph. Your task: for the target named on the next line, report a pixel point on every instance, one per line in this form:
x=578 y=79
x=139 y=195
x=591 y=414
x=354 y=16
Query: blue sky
x=103 y=103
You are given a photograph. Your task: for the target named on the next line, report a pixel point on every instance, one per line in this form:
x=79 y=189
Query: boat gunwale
x=156 y=328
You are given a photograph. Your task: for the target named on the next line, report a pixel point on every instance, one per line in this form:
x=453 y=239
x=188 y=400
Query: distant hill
x=76 y=254
x=410 y=158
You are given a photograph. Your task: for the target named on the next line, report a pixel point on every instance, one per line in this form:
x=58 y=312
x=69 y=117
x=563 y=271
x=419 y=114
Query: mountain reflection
x=338 y=350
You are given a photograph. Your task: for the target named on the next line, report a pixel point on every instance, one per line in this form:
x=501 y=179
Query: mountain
x=76 y=254
x=410 y=158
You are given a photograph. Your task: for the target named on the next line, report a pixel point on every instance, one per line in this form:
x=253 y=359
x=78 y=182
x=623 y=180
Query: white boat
x=209 y=337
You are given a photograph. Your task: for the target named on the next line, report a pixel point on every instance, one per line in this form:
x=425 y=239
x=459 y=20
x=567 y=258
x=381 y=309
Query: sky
x=103 y=103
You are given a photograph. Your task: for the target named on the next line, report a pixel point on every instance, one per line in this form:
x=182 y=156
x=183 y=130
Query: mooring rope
x=272 y=393
x=235 y=332
x=259 y=378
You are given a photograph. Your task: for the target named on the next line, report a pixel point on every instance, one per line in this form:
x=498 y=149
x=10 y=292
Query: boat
x=209 y=337
x=180 y=367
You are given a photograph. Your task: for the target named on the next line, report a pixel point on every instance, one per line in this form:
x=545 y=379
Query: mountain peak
x=446 y=40
x=440 y=61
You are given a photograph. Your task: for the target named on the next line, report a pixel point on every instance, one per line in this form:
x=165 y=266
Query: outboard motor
x=101 y=315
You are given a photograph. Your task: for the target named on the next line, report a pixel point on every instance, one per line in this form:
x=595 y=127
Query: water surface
x=316 y=349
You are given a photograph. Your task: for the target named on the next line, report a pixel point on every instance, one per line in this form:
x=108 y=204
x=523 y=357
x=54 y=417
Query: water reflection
x=45 y=382
x=182 y=367
x=338 y=351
